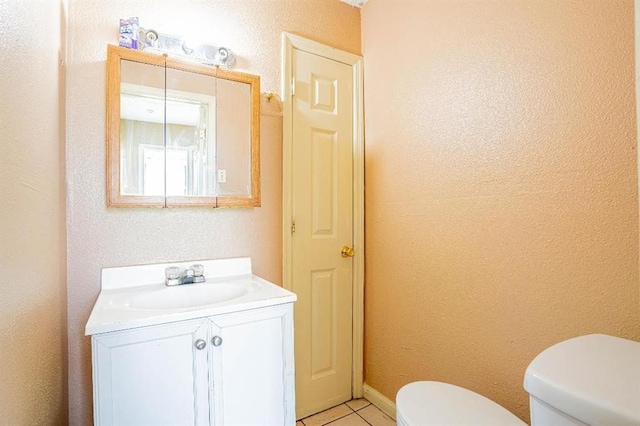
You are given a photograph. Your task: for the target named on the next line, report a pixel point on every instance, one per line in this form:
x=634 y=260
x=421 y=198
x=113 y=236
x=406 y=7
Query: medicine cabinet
x=180 y=133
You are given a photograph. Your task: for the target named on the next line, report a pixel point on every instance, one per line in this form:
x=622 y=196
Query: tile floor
x=358 y=412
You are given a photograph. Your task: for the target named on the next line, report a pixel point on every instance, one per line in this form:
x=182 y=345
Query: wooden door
x=322 y=158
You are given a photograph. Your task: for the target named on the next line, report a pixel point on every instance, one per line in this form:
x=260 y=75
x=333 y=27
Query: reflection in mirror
x=190 y=133
x=180 y=134
x=234 y=136
x=183 y=149
x=141 y=129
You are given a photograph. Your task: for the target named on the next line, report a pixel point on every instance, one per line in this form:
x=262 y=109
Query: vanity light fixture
x=204 y=53
x=356 y=3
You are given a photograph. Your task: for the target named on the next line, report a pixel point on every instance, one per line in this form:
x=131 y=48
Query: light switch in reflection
x=222 y=176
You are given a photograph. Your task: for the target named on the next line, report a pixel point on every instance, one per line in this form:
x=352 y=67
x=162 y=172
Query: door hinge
x=293 y=86
x=293 y=227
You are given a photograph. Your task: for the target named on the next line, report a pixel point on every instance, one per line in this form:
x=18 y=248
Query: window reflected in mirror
x=190 y=134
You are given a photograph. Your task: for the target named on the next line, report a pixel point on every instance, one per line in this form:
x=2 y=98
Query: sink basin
x=135 y=296
x=186 y=296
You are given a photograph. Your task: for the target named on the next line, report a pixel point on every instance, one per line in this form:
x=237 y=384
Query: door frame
x=290 y=42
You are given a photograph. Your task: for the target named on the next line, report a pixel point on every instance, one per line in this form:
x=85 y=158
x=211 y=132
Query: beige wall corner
x=388 y=406
x=33 y=327
x=501 y=176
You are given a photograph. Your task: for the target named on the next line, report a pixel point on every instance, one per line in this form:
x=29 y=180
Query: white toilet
x=588 y=380
x=436 y=403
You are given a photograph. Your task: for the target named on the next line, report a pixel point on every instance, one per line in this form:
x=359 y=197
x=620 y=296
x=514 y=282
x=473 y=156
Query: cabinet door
x=253 y=375
x=151 y=376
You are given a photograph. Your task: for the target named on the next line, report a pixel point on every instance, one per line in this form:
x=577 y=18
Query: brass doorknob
x=347 y=252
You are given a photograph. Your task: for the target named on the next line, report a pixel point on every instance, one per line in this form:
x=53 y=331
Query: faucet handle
x=172 y=274
x=198 y=273
x=198 y=270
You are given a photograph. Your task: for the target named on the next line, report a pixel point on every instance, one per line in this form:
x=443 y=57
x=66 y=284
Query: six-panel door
x=152 y=375
x=322 y=202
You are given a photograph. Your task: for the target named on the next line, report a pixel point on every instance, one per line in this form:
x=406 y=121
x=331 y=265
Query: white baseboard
x=379 y=400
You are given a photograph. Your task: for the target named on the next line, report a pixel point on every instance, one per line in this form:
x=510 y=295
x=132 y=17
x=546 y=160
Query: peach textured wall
x=32 y=236
x=501 y=191
x=636 y=5
x=99 y=237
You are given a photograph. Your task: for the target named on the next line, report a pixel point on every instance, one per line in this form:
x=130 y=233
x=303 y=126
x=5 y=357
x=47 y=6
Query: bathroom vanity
x=213 y=353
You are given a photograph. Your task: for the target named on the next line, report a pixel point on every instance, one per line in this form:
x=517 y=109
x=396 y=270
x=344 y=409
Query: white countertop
x=111 y=311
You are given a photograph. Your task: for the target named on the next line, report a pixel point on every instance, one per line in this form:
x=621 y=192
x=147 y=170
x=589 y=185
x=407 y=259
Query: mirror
x=180 y=134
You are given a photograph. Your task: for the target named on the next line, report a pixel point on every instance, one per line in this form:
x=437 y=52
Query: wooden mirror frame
x=114 y=198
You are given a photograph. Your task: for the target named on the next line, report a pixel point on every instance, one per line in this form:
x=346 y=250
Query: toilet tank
x=588 y=380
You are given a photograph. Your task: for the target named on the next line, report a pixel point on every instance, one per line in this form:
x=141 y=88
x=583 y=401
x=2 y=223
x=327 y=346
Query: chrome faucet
x=194 y=274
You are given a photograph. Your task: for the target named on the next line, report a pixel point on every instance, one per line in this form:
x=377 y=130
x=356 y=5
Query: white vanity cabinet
x=228 y=369
x=151 y=375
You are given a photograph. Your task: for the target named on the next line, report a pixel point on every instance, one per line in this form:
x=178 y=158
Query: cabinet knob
x=200 y=344
x=216 y=341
